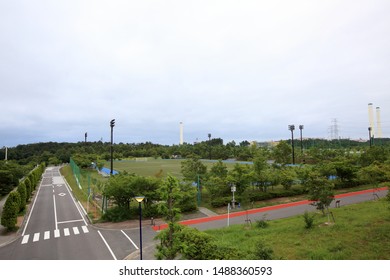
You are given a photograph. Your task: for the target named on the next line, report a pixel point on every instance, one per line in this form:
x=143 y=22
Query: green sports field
x=153 y=167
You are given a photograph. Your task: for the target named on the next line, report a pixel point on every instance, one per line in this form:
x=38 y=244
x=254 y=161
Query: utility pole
x=112 y=124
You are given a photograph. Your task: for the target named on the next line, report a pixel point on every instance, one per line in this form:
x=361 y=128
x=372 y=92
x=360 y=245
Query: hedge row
x=17 y=199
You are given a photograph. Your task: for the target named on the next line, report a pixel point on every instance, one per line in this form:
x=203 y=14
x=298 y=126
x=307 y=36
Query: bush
x=263 y=223
x=11 y=210
x=119 y=214
x=262 y=251
x=309 y=219
x=220 y=202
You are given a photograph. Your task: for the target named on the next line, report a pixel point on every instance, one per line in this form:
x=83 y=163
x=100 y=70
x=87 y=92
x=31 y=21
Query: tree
x=192 y=168
x=320 y=190
x=170 y=194
x=11 y=210
x=23 y=196
x=282 y=153
x=240 y=176
x=6 y=182
x=121 y=189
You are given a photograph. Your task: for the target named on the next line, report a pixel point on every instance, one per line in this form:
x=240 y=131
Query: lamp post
x=112 y=124
x=139 y=200
x=292 y=127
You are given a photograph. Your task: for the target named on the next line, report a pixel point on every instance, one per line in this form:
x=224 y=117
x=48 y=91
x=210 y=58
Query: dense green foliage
x=11 y=210
x=16 y=200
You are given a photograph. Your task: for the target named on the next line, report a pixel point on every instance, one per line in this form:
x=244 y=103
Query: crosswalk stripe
x=85 y=229
x=36 y=237
x=47 y=235
x=25 y=239
x=76 y=230
x=56 y=233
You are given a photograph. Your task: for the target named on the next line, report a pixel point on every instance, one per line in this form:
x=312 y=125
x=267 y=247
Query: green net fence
x=89 y=188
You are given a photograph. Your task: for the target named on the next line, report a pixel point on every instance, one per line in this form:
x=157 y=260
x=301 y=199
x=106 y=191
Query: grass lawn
x=152 y=167
x=361 y=232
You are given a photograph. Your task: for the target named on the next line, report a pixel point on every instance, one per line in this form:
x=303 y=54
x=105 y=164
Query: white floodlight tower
x=371 y=118
x=181 y=134
x=378 y=123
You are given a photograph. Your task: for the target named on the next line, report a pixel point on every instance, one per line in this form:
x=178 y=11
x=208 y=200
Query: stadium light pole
x=301 y=128
x=209 y=135
x=369 y=135
x=139 y=200
x=292 y=127
x=112 y=124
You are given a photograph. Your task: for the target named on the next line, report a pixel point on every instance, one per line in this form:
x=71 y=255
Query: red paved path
x=259 y=210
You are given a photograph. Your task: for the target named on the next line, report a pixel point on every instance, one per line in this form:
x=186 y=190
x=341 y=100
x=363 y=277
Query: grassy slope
x=361 y=231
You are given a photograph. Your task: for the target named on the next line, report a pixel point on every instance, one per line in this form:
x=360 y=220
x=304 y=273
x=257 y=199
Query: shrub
x=23 y=196
x=119 y=214
x=309 y=219
x=262 y=251
x=263 y=223
x=11 y=210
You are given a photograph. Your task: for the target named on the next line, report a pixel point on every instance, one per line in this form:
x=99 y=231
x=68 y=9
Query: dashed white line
x=56 y=233
x=66 y=232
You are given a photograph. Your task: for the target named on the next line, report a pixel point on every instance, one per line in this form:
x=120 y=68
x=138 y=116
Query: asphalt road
x=57 y=228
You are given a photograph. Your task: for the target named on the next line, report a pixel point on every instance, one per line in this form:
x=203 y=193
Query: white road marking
x=36 y=237
x=25 y=239
x=66 y=232
x=130 y=240
x=47 y=235
x=55 y=212
x=108 y=247
x=56 y=233
x=76 y=230
x=70 y=221
x=85 y=229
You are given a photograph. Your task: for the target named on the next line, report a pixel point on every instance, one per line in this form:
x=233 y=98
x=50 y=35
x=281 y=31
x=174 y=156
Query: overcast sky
x=240 y=70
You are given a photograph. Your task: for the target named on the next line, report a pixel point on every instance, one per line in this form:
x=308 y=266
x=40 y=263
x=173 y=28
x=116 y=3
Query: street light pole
x=292 y=127
x=139 y=200
x=112 y=124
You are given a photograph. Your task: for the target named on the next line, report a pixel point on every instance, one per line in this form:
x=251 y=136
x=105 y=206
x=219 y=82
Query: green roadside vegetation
x=361 y=232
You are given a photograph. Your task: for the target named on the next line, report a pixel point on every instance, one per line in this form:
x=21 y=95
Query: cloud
x=242 y=70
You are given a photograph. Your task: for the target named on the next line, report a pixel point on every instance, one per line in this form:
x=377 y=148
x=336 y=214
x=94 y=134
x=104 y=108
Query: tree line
x=55 y=153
